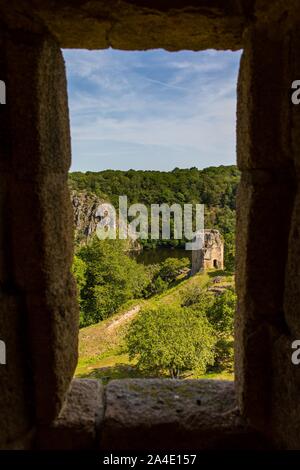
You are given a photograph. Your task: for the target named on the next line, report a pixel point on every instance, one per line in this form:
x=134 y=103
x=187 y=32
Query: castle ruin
x=210 y=254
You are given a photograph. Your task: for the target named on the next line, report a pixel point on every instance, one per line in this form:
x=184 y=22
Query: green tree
x=112 y=278
x=200 y=300
x=79 y=271
x=158 y=285
x=172 y=267
x=221 y=316
x=229 y=252
x=171 y=339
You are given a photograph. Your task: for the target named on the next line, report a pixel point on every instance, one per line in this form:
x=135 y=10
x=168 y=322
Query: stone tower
x=211 y=255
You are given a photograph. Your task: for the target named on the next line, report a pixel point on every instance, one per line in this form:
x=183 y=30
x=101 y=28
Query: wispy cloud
x=168 y=85
x=151 y=109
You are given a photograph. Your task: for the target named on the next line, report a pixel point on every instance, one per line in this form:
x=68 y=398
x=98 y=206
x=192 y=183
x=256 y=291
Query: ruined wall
x=211 y=256
x=214 y=250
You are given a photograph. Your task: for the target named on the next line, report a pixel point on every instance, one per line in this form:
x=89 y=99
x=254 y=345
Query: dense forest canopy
x=215 y=187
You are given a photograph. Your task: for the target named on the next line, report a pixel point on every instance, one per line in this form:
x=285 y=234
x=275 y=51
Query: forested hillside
x=215 y=187
x=159 y=300
x=190 y=325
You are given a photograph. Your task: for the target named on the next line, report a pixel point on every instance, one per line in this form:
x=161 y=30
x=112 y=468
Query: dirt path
x=126 y=316
x=96 y=339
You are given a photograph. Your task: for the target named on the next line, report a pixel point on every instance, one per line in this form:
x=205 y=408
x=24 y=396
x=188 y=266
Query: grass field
x=101 y=349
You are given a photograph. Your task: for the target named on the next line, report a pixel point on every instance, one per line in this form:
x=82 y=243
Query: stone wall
x=156 y=414
x=39 y=316
x=211 y=255
x=267 y=126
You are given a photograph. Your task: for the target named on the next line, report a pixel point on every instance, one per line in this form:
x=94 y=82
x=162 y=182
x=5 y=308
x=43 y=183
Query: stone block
x=40 y=229
x=77 y=425
x=17 y=388
x=132 y=25
x=284 y=426
x=264 y=207
x=292 y=287
x=42 y=244
x=264 y=103
x=53 y=333
x=37 y=107
x=160 y=414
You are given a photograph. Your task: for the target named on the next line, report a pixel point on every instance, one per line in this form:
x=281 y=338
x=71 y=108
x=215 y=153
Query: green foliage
x=172 y=339
x=229 y=252
x=191 y=295
x=219 y=311
x=158 y=286
x=214 y=186
x=221 y=317
x=79 y=271
x=198 y=333
x=164 y=274
x=171 y=268
x=111 y=279
x=196 y=298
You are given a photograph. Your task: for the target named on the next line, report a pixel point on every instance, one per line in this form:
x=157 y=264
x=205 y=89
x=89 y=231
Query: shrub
x=221 y=316
x=172 y=267
x=111 y=279
x=171 y=339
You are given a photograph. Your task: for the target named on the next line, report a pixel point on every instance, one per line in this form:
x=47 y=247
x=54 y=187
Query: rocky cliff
x=87 y=217
x=85 y=207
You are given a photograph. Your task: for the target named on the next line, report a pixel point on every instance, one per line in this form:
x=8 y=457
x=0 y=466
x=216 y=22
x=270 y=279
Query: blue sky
x=151 y=110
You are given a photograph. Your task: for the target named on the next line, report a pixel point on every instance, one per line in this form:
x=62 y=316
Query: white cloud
x=184 y=101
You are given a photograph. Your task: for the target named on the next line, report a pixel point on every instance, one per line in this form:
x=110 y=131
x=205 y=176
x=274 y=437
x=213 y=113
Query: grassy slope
x=101 y=353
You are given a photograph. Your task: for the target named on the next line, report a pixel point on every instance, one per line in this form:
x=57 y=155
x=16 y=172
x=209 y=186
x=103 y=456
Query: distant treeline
x=215 y=187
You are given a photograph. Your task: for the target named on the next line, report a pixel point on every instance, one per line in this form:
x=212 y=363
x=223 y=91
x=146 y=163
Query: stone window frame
x=36 y=243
